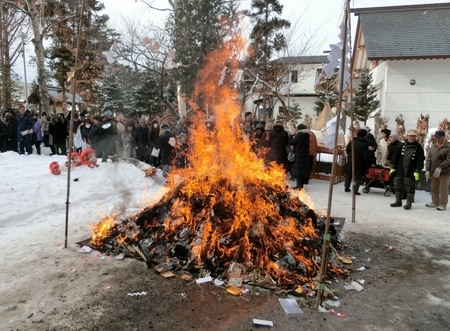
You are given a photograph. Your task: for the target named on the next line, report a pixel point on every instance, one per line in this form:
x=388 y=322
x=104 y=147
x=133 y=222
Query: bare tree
x=41 y=24
x=10 y=45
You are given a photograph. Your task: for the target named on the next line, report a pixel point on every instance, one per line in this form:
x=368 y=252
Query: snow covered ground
x=37 y=272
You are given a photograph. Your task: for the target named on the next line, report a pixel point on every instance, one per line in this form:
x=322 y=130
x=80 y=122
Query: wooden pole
x=326 y=236
x=352 y=146
x=74 y=89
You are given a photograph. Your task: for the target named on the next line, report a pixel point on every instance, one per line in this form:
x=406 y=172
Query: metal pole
x=74 y=84
x=23 y=35
x=326 y=235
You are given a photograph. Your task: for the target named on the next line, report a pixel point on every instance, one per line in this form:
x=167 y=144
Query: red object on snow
x=55 y=168
x=89 y=158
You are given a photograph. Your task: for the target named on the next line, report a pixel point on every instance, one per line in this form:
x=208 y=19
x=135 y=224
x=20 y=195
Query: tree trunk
x=40 y=59
x=5 y=61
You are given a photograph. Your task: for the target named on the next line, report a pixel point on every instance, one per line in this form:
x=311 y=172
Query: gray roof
x=312 y=59
x=55 y=93
x=406 y=32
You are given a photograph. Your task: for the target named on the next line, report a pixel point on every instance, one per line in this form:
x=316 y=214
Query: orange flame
x=239 y=220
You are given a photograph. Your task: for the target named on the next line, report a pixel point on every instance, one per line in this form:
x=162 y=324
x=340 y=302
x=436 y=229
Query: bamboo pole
x=352 y=146
x=74 y=84
x=326 y=236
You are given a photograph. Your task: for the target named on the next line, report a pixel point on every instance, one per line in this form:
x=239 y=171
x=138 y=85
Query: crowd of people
x=164 y=144
x=405 y=161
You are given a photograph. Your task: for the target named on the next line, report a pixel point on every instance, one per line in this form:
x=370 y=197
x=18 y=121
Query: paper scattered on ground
x=204 y=280
x=290 y=306
x=136 y=294
x=356 y=286
x=85 y=249
x=262 y=322
x=218 y=282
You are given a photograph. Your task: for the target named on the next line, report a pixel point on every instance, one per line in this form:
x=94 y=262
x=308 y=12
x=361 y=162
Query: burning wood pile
x=227 y=207
x=213 y=227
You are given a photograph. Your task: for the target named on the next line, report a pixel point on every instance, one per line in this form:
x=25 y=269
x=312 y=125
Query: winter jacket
x=408 y=158
x=37 y=131
x=76 y=124
x=142 y=137
x=301 y=165
x=439 y=157
x=153 y=135
x=128 y=138
x=392 y=147
x=280 y=139
x=11 y=134
x=24 y=122
x=167 y=151
x=372 y=143
x=103 y=138
x=58 y=130
x=362 y=160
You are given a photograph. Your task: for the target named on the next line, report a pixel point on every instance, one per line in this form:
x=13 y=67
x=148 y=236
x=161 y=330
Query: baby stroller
x=377 y=176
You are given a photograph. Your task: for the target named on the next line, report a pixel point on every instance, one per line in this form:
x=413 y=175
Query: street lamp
x=23 y=36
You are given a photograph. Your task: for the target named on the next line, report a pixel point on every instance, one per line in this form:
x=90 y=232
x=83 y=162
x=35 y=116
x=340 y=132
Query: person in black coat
x=301 y=167
x=392 y=147
x=153 y=136
x=166 y=145
x=25 y=124
x=372 y=147
x=11 y=132
x=59 y=133
x=279 y=140
x=142 y=143
x=361 y=159
x=2 y=136
x=407 y=162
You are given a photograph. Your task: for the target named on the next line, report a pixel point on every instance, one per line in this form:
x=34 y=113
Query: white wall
x=305 y=85
x=430 y=95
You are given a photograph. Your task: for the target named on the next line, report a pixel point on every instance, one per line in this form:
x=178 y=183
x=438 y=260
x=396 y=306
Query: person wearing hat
x=437 y=168
x=407 y=162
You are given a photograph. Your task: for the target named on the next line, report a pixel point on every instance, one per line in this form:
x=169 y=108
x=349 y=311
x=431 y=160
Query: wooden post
x=74 y=90
x=326 y=235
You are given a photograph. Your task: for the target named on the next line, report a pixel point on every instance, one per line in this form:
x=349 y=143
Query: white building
x=303 y=71
x=406 y=48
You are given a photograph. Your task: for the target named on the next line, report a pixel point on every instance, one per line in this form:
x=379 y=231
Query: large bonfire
x=227 y=207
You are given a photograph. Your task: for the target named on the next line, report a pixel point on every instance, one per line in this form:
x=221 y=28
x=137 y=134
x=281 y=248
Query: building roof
x=312 y=59
x=406 y=32
x=55 y=94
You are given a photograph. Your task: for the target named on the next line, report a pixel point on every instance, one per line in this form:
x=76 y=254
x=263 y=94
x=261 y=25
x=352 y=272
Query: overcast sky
x=320 y=16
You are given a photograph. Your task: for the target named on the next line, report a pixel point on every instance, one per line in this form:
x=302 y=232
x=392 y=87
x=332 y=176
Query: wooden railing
x=322 y=170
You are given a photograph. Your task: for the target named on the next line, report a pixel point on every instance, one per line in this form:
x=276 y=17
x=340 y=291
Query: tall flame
x=235 y=208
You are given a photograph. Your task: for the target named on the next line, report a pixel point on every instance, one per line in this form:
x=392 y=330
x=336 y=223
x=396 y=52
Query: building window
x=294 y=74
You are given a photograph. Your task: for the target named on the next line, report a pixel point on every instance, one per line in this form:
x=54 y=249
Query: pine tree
x=266 y=37
x=61 y=53
x=110 y=91
x=196 y=31
x=365 y=104
x=146 y=96
x=295 y=111
x=327 y=93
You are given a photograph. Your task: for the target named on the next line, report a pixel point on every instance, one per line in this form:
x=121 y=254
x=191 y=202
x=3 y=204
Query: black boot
x=409 y=201
x=398 y=199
